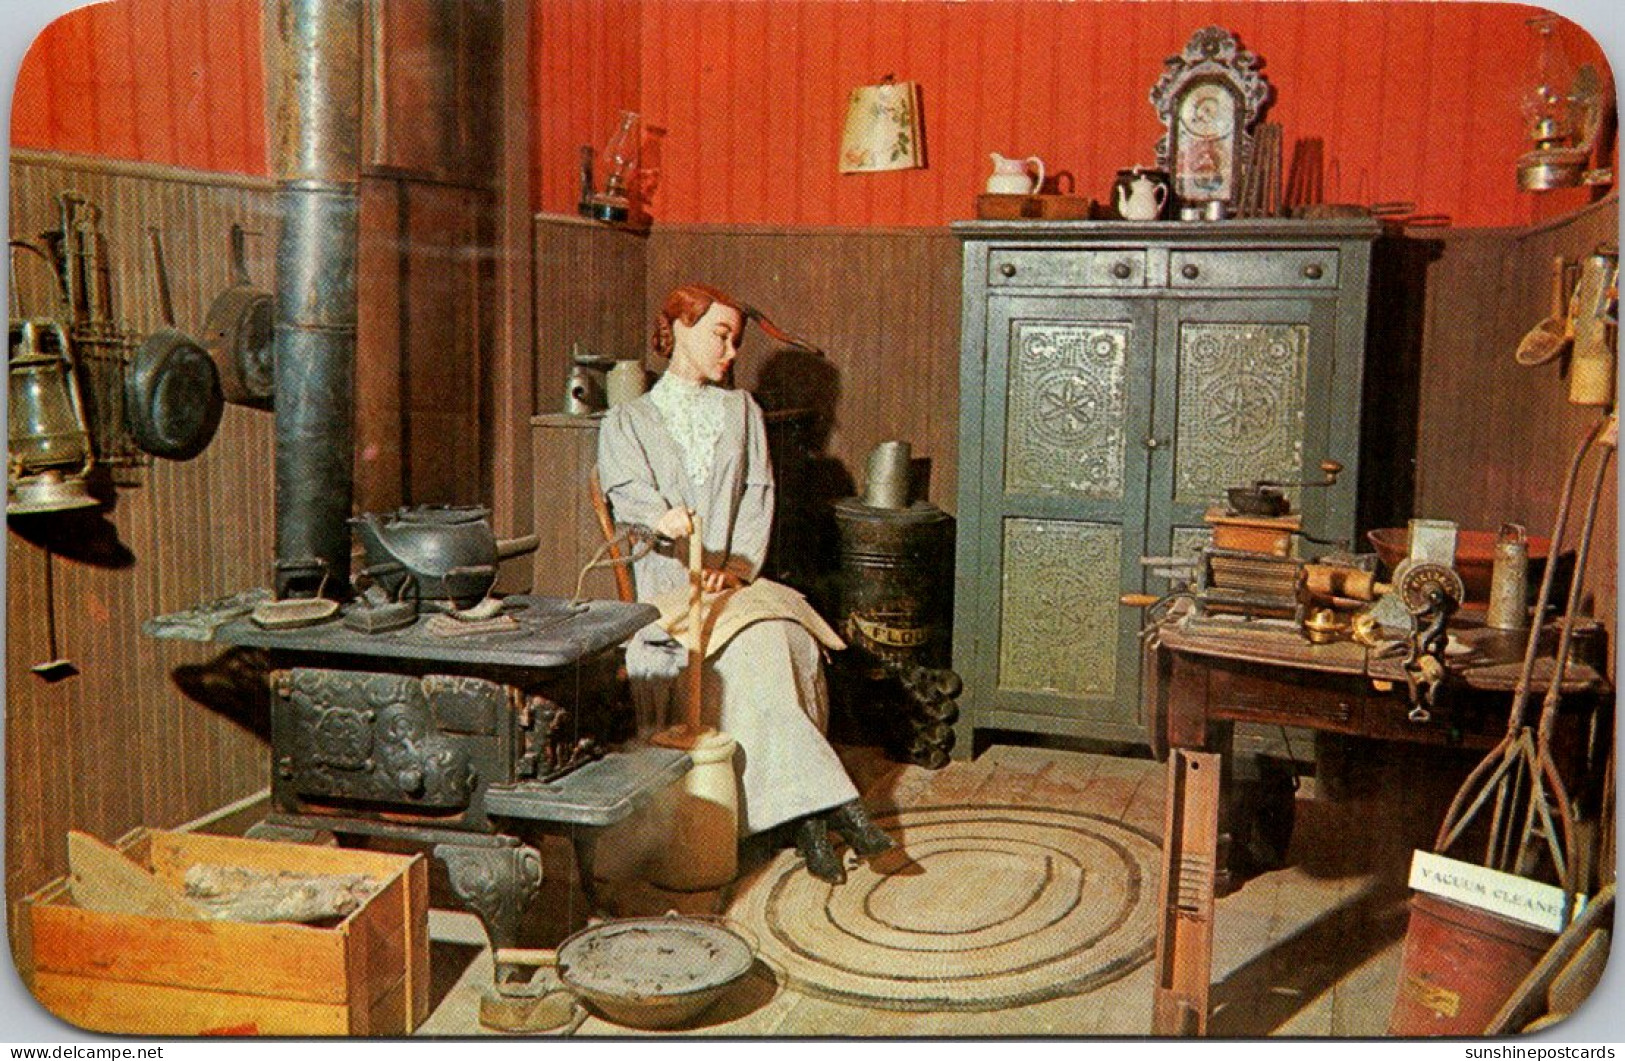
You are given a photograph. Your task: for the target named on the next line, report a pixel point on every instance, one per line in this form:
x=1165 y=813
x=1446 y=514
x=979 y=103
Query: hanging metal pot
x=238 y=333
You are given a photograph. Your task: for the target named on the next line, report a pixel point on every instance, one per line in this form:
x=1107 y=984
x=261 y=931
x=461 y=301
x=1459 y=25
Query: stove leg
x=500 y=885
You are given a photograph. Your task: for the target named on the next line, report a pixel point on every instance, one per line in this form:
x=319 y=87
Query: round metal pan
x=237 y=334
x=172 y=396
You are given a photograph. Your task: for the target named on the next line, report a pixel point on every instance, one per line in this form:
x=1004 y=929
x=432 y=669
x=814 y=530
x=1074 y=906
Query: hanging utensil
x=57 y=667
x=172 y=394
x=1550 y=338
x=1591 y=365
x=238 y=334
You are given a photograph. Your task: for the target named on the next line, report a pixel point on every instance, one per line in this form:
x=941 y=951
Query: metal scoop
x=1548 y=340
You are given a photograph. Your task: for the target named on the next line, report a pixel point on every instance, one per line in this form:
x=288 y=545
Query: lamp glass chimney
x=1545 y=102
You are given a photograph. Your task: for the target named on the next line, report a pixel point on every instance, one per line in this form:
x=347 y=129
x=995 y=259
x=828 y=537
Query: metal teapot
x=449 y=551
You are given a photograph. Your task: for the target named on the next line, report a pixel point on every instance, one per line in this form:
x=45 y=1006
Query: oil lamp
x=50 y=446
x=1549 y=118
x=620 y=156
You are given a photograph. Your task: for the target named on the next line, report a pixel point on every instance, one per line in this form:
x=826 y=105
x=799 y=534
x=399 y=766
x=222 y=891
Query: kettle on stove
x=450 y=551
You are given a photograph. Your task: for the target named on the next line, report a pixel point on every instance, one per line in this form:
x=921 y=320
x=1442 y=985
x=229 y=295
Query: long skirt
x=766 y=690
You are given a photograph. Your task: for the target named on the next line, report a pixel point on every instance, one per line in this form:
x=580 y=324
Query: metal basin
x=653 y=972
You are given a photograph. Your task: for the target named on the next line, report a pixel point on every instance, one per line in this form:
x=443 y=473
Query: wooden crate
x=366 y=975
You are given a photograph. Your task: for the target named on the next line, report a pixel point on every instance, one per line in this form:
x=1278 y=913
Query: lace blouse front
x=693 y=414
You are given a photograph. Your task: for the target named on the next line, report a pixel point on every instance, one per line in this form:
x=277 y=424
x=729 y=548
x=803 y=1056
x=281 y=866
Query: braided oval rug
x=982 y=908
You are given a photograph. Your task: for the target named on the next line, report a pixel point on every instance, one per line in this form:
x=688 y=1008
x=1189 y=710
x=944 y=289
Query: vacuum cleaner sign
x=1517 y=898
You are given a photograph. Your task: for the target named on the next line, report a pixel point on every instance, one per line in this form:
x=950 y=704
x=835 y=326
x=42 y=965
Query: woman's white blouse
x=693 y=413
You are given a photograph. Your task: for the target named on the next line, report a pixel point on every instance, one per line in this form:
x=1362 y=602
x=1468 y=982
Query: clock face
x=1207 y=112
x=1205 y=167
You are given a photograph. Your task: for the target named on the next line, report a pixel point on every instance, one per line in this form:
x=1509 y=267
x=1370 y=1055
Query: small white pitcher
x=1010 y=175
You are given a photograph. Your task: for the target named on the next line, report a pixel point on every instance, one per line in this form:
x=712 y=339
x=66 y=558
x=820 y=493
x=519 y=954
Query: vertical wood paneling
x=118 y=745
x=1495 y=438
x=589 y=289
x=586 y=68
x=891 y=348
x=379 y=475
x=1414 y=101
x=444 y=329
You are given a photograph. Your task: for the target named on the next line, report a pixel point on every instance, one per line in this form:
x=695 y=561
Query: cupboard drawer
x=1066 y=268
x=1246 y=269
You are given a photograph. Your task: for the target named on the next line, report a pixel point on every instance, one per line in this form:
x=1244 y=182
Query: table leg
x=585 y=843
x=1189 y=865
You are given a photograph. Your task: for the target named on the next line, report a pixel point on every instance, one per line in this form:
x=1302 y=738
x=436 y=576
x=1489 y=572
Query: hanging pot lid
x=172 y=396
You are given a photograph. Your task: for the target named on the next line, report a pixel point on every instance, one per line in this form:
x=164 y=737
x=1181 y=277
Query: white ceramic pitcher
x=1010 y=175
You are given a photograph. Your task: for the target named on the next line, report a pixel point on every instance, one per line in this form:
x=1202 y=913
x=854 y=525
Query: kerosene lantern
x=1549 y=115
x=51 y=455
x=614 y=203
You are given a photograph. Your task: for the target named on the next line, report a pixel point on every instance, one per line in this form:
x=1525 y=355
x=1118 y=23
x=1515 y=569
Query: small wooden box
x=991 y=207
x=1254 y=534
x=366 y=975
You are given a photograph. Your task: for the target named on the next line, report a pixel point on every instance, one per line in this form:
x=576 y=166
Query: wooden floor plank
x=954 y=783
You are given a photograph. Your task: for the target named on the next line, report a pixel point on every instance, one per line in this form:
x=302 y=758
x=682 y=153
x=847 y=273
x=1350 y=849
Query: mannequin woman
x=694 y=445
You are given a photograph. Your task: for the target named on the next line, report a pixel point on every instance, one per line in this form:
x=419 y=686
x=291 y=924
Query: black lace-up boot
x=812 y=840
x=852 y=822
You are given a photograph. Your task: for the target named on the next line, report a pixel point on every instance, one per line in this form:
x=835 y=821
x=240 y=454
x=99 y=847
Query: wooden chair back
x=606 y=523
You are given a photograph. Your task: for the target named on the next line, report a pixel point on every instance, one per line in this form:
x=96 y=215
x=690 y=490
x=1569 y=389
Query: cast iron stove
x=468 y=745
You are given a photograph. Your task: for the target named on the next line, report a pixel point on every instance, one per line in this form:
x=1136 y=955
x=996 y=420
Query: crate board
x=366 y=975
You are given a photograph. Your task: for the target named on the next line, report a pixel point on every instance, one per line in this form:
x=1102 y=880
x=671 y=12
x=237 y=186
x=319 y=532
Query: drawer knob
x=1122 y=270
x=1007 y=270
x=1153 y=442
x=1190 y=272
x=1313 y=271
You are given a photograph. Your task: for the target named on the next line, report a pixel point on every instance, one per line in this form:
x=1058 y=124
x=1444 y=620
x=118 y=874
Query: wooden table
x=1201 y=680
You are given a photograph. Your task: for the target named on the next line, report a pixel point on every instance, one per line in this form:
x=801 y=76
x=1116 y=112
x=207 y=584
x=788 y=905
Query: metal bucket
x=1460 y=965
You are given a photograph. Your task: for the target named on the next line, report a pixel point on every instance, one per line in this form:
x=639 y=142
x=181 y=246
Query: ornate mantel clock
x=1209 y=97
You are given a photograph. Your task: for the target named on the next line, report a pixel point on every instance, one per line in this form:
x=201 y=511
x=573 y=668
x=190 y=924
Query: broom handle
x=696 y=591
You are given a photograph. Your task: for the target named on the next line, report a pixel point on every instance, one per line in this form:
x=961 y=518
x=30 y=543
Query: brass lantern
x=51 y=455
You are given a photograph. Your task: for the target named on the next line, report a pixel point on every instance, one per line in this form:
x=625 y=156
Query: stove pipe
x=314 y=90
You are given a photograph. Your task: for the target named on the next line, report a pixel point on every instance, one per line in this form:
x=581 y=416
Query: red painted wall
x=176 y=82
x=1415 y=101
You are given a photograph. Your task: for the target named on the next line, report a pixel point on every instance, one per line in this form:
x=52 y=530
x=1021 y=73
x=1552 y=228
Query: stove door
x=376 y=737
